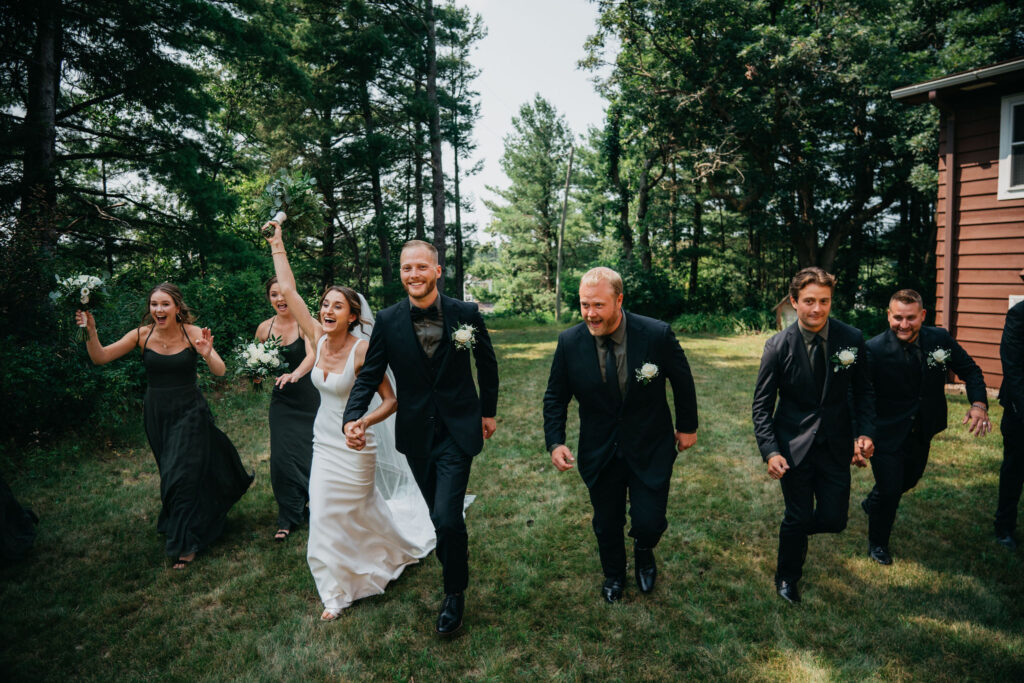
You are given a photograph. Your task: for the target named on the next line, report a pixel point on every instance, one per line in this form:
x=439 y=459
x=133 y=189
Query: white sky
x=532 y=46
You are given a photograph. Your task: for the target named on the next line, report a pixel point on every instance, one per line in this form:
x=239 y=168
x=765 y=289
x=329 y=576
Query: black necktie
x=418 y=313
x=818 y=362
x=611 y=371
x=916 y=360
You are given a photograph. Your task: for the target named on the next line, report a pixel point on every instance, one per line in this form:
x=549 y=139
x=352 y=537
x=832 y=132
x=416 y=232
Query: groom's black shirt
x=429 y=389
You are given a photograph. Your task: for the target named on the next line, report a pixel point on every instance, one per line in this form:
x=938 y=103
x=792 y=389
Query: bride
x=367 y=518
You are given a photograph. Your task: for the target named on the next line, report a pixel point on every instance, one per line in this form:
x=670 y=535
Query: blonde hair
x=602 y=274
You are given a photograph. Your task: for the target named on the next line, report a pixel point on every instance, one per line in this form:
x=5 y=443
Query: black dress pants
x=896 y=472
x=442 y=478
x=1011 y=474
x=646 y=511
x=817 y=495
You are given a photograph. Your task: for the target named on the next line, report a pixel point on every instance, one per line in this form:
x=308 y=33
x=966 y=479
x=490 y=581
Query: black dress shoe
x=611 y=591
x=865 y=507
x=880 y=554
x=645 y=568
x=1007 y=541
x=449 y=621
x=787 y=591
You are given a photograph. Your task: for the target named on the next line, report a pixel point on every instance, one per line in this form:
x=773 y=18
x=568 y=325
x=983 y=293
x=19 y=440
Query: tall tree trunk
x=25 y=283
x=614 y=151
x=373 y=166
x=673 y=227
x=459 y=288
x=642 y=205
x=436 y=171
x=698 y=234
x=421 y=230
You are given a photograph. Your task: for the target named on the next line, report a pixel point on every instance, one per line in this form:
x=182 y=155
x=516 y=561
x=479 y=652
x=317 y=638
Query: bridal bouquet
x=79 y=293
x=290 y=193
x=259 y=360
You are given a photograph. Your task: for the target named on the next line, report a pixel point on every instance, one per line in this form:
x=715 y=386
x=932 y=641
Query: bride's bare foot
x=183 y=562
x=329 y=615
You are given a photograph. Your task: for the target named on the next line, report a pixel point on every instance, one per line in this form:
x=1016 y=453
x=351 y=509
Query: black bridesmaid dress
x=201 y=475
x=292 y=413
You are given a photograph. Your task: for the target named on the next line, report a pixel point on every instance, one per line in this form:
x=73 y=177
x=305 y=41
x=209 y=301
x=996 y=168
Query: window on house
x=1011 y=148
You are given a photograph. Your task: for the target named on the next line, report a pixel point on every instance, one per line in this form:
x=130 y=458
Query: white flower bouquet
x=79 y=293
x=259 y=360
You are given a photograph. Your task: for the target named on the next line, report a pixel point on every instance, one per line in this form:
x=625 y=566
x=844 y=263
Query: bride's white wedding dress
x=361 y=534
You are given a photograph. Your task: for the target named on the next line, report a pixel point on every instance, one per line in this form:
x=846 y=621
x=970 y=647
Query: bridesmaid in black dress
x=201 y=475
x=293 y=409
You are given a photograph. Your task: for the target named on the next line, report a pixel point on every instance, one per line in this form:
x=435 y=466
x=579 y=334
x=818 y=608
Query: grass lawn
x=97 y=601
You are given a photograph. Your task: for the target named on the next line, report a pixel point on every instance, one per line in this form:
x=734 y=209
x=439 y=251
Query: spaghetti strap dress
x=292 y=413
x=201 y=475
x=358 y=541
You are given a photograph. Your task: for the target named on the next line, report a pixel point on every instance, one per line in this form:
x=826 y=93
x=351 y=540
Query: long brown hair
x=184 y=316
x=353 y=303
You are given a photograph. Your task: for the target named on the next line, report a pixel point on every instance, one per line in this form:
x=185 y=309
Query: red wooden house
x=980 y=209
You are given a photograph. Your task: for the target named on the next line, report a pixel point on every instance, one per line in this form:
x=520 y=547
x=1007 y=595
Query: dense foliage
x=148 y=140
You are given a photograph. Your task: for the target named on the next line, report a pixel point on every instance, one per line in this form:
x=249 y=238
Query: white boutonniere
x=843 y=359
x=938 y=358
x=646 y=372
x=464 y=337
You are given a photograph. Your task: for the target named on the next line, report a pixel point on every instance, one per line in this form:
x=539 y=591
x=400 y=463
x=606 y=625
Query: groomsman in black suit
x=615 y=364
x=817 y=370
x=1011 y=397
x=441 y=424
x=909 y=364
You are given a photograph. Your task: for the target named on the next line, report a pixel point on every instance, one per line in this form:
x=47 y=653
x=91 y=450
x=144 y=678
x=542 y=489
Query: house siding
x=990 y=248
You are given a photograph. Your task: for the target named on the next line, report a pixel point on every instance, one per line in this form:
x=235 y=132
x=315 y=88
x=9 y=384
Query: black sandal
x=282 y=535
x=183 y=562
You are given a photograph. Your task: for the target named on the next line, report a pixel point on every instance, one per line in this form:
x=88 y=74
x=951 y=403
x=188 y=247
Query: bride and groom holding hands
x=417 y=359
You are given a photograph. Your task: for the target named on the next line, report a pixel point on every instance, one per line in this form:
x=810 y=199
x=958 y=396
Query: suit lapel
x=450 y=318
x=832 y=346
x=798 y=350
x=636 y=351
x=410 y=341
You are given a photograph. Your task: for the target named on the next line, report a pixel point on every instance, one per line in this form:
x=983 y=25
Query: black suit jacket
x=1011 y=353
x=845 y=409
x=640 y=427
x=449 y=394
x=896 y=404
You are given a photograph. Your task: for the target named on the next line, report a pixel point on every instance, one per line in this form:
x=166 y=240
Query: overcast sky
x=532 y=46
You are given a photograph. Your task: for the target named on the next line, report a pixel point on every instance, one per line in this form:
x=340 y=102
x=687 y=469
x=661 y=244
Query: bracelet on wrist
x=980 y=406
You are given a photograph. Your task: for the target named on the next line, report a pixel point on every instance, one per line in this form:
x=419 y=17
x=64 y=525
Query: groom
x=427 y=340
x=615 y=364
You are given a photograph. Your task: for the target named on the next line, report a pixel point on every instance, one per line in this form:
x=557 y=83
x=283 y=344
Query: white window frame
x=1005 y=191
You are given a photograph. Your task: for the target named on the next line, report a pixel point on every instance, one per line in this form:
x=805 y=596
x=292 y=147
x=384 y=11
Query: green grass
x=95 y=600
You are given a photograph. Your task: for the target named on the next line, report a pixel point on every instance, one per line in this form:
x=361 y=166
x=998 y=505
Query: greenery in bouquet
x=293 y=193
x=259 y=360
x=79 y=293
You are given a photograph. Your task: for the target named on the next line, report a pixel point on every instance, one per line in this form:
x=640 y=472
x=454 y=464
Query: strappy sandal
x=282 y=535
x=330 y=615
x=181 y=564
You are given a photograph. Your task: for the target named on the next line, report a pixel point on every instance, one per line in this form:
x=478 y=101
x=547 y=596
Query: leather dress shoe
x=449 y=621
x=645 y=568
x=1007 y=541
x=880 y=554
x=611 y=591
x=787 y=591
